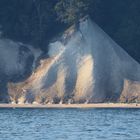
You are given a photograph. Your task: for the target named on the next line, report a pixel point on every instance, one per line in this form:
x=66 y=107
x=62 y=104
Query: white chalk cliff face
x=85 y=66
x=16 y=62
x=12 y=58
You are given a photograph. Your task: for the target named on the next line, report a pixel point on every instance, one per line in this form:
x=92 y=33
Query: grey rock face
x=15 y=64
x=89 y=67
x=131 y=91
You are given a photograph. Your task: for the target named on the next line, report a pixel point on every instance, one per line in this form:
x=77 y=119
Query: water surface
x=69 y=124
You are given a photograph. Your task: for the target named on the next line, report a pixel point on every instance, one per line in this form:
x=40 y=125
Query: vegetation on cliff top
x=36 y=22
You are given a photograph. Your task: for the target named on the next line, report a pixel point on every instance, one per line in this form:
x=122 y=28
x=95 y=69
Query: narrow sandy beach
x=99 y=105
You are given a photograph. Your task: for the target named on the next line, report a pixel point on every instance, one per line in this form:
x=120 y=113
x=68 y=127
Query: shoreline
x=61 y=106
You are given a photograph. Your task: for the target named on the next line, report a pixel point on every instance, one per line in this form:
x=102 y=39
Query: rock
x=131 y=92
x=16 y=63
x=86 y=65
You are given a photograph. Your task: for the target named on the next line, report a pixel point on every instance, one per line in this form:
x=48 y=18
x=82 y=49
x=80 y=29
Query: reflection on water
x=69 y=124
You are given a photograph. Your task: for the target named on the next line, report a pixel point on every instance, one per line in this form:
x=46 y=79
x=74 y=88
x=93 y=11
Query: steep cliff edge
x=16 y=63
x=85 y=66
x=131 y=92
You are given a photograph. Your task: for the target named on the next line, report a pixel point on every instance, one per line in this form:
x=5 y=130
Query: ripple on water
x=69 y=124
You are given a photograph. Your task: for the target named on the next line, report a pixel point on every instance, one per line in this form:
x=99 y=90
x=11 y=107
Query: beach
x=96 y=105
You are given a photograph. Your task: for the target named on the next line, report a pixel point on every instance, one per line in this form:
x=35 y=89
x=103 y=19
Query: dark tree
x=70 y=11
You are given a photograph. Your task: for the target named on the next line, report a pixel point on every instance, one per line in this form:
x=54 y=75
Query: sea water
x=69 y=124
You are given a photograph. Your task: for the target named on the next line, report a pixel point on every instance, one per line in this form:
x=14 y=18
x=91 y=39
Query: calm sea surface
x=69 y=124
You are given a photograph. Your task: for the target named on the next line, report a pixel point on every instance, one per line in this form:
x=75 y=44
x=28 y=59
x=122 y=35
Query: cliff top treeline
x=36 y=22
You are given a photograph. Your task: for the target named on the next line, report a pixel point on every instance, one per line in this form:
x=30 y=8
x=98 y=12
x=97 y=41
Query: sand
x=99 y=105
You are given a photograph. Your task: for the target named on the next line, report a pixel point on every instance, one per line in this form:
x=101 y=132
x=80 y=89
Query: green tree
x=70 y=11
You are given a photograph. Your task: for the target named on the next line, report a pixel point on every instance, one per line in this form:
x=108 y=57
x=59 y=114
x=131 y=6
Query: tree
x=70 y=11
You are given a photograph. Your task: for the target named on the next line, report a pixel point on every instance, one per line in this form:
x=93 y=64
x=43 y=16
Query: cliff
x=16 y=63
x=84 y=66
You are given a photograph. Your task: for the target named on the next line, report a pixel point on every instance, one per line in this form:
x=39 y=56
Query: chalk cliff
x=84 y=66
x=16 y=63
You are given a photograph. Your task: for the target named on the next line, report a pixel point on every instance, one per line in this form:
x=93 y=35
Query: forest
x=37 y=22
